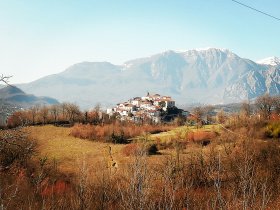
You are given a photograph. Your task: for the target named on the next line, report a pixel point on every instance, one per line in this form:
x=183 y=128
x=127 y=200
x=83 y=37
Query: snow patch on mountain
x=273 y=61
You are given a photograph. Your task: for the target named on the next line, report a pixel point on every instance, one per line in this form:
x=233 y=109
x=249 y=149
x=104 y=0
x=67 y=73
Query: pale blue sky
x=39 y=37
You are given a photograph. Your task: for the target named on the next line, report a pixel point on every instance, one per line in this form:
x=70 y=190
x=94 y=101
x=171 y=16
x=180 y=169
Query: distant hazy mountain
x=206 y=75
x=15 y=96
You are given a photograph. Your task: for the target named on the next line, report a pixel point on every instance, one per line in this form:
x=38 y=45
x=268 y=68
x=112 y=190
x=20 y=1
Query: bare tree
x=207 y=110
x=54 y=110
x=136 y=195
x=72 y=112
x=5 y=79
x=245 y=109
x=264 y=105
x=95 y=114
x=198 y=113
x=34 y=112
x=276 y=102
x=221 y=117
x=44 y=112
x=215 y=171
x=63 y=107
x=83 y=190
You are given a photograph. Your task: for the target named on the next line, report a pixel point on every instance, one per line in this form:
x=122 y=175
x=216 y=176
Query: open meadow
x=229 y=166
x=68 y=152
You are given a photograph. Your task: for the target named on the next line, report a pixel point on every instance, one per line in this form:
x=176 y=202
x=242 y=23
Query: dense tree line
x=264 y=107
x=59 y=114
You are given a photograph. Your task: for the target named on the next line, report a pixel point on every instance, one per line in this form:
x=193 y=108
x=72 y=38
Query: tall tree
x=63 y=107
x=54 y=110
x=198 y=114
x=245 y=109
x=264 y=105
x=221 y=117
x=95 y=114
x=44 y=113
x=34 y=112
x=72 y=112
x=277 y=104
x=208 y=110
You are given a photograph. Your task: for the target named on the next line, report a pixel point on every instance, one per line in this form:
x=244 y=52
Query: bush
x=273 y=130
x=119 y=139
x=130 y=149
x=134 y=149
x=115 y=133
x=152 y=149
x=200 y=136
x=14 y=148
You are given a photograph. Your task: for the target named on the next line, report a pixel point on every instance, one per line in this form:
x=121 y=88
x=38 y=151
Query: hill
x=15 y=96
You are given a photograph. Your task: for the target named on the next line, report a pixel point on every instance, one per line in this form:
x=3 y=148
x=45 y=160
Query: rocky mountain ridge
x=204 y=75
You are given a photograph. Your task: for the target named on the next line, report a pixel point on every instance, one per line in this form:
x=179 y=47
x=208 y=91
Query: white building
x=143 y=107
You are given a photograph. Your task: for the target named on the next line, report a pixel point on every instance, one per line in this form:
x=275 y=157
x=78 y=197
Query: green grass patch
x=182 y=131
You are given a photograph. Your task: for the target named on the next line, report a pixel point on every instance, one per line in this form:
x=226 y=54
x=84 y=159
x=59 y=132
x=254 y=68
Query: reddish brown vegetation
x=238 y=174
x=275 y=117
x=130 y=149
x=133 y=149
x=198 y=136
x=236 y=171
x=58 y=188
x=108 y=132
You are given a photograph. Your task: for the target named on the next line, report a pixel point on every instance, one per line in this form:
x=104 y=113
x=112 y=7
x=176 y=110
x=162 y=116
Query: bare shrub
x=199 y=136
x=130 y=149
x=115 y=133
x=15 y=148
x=133 y=148
x=136 y=193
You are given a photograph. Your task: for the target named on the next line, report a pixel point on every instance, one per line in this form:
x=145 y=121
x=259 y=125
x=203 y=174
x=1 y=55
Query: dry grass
x=218 y=176
x=57 y=144
x=186 y=132
x=68 y=152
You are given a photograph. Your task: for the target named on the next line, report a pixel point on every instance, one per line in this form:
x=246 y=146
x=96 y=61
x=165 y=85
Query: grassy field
x=183 y=169
x=182 y=131
x=69 y=152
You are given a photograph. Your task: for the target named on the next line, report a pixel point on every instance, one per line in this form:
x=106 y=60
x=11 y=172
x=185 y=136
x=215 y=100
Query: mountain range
x=193 y=76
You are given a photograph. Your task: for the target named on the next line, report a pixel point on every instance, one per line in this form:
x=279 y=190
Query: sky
x=39 y=38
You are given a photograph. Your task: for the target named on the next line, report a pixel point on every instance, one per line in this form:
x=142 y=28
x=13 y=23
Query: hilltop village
x=153 y=107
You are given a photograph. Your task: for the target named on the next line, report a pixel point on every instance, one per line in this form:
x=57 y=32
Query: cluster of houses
x=149 y=107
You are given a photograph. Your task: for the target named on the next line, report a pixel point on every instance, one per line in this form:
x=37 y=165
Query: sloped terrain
x=15 y=96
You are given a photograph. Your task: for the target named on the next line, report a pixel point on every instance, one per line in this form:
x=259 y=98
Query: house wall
x=135 y=102
x=169 y=104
